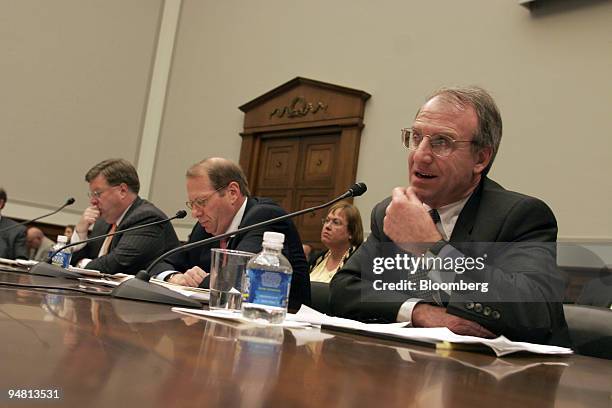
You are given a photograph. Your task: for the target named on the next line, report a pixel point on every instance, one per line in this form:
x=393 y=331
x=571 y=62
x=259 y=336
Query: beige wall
x=549 y=70
x=75 y=79
x=81 y=80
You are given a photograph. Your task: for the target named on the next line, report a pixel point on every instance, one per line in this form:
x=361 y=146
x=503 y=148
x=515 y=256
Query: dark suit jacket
x=257 y=210
x=525 y=287
x=13 y=241
x=132 y=251
x=597 y=292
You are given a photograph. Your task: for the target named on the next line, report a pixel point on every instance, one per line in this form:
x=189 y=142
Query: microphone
x=46 y=269
x=139 y=288
x=356 y=190
x=68 y=202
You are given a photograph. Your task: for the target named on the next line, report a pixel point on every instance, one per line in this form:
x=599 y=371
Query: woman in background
x=342 y=233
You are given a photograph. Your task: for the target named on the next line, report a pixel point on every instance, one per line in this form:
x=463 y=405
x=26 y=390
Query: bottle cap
x=274 y=238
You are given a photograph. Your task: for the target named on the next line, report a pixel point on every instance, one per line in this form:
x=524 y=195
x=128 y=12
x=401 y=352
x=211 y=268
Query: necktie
x=223 y=244
x=107 y=241
x=421 y=274
x=435 y=216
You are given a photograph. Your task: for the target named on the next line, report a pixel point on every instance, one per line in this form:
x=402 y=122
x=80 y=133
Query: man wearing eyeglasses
x=114 y=205
x=412 y=268
x=220 y=200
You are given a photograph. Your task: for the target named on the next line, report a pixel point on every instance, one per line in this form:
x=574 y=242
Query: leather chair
x=590 y=330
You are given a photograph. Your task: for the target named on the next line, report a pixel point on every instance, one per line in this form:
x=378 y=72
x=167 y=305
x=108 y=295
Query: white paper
x=202 y=295
x=434 y=335
x=236 y=316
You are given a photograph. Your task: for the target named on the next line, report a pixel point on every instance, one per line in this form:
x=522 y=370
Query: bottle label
x=61 y=259
x=267 y=288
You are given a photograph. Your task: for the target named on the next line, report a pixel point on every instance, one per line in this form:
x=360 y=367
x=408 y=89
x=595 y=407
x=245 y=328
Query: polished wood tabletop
x=97 y=351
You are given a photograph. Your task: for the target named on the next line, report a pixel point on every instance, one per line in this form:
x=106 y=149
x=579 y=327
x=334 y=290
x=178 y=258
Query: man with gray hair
x=114 y=205
x=455 y=249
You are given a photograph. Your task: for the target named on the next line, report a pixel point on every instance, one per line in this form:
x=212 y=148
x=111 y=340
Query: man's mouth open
x=423 y=175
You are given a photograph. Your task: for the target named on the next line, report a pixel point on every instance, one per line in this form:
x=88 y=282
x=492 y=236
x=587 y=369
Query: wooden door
x=299 y=172
x=300 y=146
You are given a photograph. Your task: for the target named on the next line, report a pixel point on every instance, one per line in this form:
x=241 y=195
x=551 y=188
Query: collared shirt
x=77 y=238
x=232 y=227
x=237 y=218
x=448 y=218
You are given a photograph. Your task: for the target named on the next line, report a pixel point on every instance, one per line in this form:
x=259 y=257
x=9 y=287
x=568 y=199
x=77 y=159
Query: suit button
x=478 y=308
x=469 y=305
x=486 y=311
x=495 y=315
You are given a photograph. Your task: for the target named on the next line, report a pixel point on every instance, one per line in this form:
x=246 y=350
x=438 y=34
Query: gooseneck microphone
x=47 y=269
x=68 y=202
x=179 y=214
x=355 y=191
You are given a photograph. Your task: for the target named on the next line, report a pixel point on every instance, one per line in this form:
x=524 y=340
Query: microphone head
x=70 y=201
x=358 y=189
x=143 y=276
x=181 y=214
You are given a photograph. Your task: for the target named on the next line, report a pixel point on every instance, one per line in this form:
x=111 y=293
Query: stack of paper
x=501 y=346
x=307 y=317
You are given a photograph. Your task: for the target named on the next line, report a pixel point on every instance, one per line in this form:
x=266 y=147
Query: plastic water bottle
x=267 y=282
x=62 y=258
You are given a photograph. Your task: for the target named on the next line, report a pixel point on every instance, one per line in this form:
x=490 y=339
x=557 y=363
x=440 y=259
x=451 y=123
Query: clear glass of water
x=227 y=270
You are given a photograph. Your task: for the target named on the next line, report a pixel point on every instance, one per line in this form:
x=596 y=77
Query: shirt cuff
x=77 y=238
x=83 y=263
x=165 y=274
x=405 y=311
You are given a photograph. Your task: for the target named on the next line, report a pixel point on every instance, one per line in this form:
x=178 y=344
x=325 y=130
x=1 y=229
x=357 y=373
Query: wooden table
x=103 y=352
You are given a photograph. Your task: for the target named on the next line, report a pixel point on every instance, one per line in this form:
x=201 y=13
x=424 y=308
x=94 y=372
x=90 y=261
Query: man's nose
x=423 y=151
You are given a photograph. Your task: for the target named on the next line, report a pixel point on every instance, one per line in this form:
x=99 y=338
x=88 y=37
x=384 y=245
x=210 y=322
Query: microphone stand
x=68 y=202
x=47 y=269
x=355 y=191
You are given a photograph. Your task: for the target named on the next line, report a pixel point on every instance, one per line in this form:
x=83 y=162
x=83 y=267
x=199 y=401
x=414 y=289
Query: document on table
x=236 y=316
x=18 y=262
x=501 y=346
x=199 y=294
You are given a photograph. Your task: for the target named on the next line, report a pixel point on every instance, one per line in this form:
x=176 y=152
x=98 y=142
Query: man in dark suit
x=452 y=213
x=116 y=206
x=12 y=237
x=219 y=198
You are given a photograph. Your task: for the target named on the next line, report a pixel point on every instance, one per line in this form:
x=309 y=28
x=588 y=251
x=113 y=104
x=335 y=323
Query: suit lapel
x=233 y=241
x=465 y=223
x=125 y=223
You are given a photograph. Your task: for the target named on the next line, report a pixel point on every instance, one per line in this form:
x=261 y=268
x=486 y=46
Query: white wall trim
x=157 y=94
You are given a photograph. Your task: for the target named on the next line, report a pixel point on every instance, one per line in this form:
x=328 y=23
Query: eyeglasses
x=98 y=193
x=336 y=222
x=441 y=145
x=201 y=202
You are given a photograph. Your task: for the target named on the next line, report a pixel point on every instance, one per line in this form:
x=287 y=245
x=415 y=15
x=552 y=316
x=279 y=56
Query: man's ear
x=233 y=189
x=482 y=159
x=124 y=188
x=2 y=202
